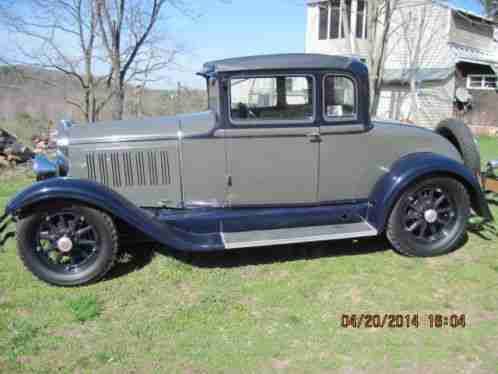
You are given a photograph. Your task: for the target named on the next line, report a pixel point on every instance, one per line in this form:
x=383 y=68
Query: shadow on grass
x=137 y=256
x=132 y=257
x=484 y=230
x=282 y=253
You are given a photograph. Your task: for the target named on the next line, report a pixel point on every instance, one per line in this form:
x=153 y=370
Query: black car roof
x=281 y=61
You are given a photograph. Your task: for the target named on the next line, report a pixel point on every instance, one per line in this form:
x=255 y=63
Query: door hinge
x=229 y=180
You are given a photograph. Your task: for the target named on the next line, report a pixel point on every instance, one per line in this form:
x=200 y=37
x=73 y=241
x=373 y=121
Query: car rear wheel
x=70 y=245
x=430 y=218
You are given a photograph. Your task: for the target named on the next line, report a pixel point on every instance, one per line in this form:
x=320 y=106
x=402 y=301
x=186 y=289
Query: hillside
x=31 y=97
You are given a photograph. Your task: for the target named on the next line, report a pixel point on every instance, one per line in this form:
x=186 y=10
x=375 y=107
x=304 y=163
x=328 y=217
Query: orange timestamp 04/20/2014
x=399 y=320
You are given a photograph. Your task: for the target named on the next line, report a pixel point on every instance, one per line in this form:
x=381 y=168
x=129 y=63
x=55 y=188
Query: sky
x=241 y=27
x=231 y=28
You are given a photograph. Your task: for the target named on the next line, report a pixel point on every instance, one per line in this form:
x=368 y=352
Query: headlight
x=62 y=140
x=63 y=145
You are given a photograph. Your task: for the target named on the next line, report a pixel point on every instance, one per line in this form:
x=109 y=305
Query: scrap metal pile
x=12 y=152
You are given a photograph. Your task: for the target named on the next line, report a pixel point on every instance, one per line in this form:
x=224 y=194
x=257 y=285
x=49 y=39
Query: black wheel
x=430 y=218
x=67 y=246
x=462 y=138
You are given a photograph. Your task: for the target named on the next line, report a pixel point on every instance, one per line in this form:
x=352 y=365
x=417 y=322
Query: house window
x=271 y=99
x=361 y=20
x=482 y=82
x=336 y=18
x=324 y=20
x=346 y=18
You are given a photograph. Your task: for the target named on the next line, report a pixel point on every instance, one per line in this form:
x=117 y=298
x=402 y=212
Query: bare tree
x=419 y=30
x=379 y=24
x=61 y=35
x=127 y=29
x=490 y=8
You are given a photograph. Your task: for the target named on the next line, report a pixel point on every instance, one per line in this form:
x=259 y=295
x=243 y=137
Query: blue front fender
x=414 y=167
x=99 y=196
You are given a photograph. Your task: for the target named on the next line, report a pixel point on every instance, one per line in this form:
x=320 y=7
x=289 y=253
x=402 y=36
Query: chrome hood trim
x=149 y=129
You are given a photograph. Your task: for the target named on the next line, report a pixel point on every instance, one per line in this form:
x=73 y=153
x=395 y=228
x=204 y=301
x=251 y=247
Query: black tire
x=41 y=256
x=406 y=229
x=462 y=138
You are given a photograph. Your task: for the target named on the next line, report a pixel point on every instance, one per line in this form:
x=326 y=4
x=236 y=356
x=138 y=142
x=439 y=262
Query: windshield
x=213 y=94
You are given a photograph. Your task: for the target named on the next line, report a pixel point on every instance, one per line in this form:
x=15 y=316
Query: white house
x=441 y=61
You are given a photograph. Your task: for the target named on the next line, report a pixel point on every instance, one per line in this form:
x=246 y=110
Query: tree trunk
x=117 y=89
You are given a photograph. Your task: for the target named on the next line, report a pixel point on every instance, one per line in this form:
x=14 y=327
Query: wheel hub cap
x=430 y=216
x=64 y=244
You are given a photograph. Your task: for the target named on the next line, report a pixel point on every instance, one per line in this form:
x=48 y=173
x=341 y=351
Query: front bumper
x=5 y=220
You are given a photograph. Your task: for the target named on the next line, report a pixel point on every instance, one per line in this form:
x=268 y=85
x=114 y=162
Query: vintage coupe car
x=286 y=153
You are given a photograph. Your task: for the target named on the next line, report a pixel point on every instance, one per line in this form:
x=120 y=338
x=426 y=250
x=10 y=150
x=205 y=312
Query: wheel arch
x=414 y=168
x=100 y=197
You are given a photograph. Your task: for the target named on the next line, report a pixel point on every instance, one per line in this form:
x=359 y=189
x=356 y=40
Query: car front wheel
x=69 y=245
x=430 y=218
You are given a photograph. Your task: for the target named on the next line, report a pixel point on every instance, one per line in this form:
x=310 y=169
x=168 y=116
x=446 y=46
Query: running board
x=262 y=238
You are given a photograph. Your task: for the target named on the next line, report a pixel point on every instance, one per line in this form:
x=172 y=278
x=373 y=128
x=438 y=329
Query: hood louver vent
x=118 y=169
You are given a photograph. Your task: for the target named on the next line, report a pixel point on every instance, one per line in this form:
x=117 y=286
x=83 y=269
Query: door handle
x=314 y=137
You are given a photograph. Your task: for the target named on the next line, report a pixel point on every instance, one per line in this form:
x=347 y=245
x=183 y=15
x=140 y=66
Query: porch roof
x=403 y=76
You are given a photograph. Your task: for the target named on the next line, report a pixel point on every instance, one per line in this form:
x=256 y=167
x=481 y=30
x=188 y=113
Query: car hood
x=142 y=129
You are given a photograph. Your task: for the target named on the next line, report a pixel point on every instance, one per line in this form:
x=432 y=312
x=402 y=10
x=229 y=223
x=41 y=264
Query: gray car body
x=189 y=160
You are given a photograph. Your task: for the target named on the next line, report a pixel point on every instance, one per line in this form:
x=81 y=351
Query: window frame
x=348 y=118
x=253 y=123
x=209 y=92
x=482 y=86
x=364 y=21
x=340 y=24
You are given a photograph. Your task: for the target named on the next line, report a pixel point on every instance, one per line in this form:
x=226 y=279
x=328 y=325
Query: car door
x=344 y=142
x=271 y=140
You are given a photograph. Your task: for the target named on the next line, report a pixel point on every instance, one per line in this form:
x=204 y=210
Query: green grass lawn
x=259 y=310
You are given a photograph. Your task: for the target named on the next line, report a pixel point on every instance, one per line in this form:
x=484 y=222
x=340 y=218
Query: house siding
x=434 y=38
x=434 y=103
x=471 y=34
x=445 y=38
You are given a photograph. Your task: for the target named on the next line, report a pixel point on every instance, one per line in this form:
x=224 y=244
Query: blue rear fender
x=412 y=168
x=101 y=197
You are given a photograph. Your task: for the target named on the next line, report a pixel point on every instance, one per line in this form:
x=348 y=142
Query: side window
x=271 y=99
x=339 y=98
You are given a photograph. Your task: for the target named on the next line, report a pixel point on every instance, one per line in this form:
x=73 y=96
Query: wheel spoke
x=45 y=235
x=440 y=200
x=414 y=225
x=430 y=195
x=86 y=242
x=444 y=210
x=422 y=229
x=83 y=231
x=62 y=221
x=414 y=206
